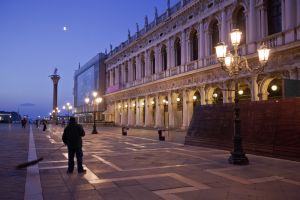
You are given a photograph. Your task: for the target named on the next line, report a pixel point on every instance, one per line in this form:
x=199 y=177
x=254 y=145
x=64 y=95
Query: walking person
x=44 y=125
x=72 y=137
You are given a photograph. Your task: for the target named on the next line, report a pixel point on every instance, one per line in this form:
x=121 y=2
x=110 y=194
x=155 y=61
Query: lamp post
x=233 y=64
x=68 y=107
x=96 y=101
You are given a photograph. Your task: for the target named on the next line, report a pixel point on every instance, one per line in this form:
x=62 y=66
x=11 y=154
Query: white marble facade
x=160 y=73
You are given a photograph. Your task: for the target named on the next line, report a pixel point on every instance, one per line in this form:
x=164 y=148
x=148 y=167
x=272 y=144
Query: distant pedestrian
x=37 y=123
x=72 y=137
x=63 y=123
x=23 y=122
x=44 y=125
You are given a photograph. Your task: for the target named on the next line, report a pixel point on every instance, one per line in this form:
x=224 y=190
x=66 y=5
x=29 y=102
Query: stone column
x=207 y=42
x=290 y=14
x=223 y=26
x=254 y=88
x=130 y=113
x=123 y=73
x=169 y=47
x=138 y=67
x=157 y=59
x=202 y=94
x=252 y=23
x=183 y=47
x=190 y=106
x=184 y=109
x=298 y=13
x=55 y=78
x=171 y=109
x=157 y=112
x=117 y=114
x=188 y=48
x=137 y=115
x=147 y=63
x=130 y=70
x=147 y=112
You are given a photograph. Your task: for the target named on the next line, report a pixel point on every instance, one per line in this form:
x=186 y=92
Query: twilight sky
x=33 y=43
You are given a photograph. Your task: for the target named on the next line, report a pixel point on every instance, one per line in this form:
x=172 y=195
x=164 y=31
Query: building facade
x=88 y=78
x=156 y=77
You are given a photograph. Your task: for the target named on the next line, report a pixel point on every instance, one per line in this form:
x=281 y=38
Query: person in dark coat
x=72 y=137
x=44 y=125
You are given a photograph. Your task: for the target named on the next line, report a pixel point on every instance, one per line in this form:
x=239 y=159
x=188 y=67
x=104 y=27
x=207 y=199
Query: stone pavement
x=138 y=167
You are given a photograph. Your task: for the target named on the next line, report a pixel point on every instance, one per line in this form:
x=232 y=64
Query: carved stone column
x=254 y=88
x=171 y=103
x=190 y=107
x=202 y=94
x=137 y=114
x=184 y=109
x=169 y=50
x=158 y=114
x=183 y=47
x=147 y=112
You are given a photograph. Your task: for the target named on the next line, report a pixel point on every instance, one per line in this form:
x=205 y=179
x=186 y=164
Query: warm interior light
x=126 y=106
x=263 y=54
x=178 y=99
x=86 y=100
x=274 y=87
x=99 y=100
x=164 y=100
x=221 y=50
x=120 y=106
x=215 y=95
x=152 y=102
x=235 y=36
x=142 y=104
x=194 y=97
x=133 y=104
x=95 y=94
x=241 y=92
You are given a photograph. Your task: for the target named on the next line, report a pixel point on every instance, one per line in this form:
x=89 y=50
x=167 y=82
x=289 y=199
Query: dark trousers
x=71 y=154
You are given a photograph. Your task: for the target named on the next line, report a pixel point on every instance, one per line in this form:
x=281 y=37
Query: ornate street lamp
x=68 y=107
x=96 y=101
x=233 y=64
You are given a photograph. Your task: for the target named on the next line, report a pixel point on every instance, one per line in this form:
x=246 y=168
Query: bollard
x=124 y=130
x=160 y=136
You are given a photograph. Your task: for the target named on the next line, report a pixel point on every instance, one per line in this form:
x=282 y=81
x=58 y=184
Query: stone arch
x=239 y=21
x=264 y=84
x=209 y=93
x=214 y=34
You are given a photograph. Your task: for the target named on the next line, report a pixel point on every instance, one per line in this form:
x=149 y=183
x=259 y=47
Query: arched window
x=164 y=60
x=143 y=66
x=126 y=72
x=214 y=36
x=177 y=50
x=274 y=16
x=152 y=62
x=240 y=23
x=134 y=69
x=194 y=45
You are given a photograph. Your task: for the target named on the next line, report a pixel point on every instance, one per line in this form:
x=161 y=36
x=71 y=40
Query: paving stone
x=140 y=167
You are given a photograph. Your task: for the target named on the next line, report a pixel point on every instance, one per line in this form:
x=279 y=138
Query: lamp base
x=238 y=158
x=94 y=130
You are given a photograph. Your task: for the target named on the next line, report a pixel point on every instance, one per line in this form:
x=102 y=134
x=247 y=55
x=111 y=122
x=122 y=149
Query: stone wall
x=270 y=128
